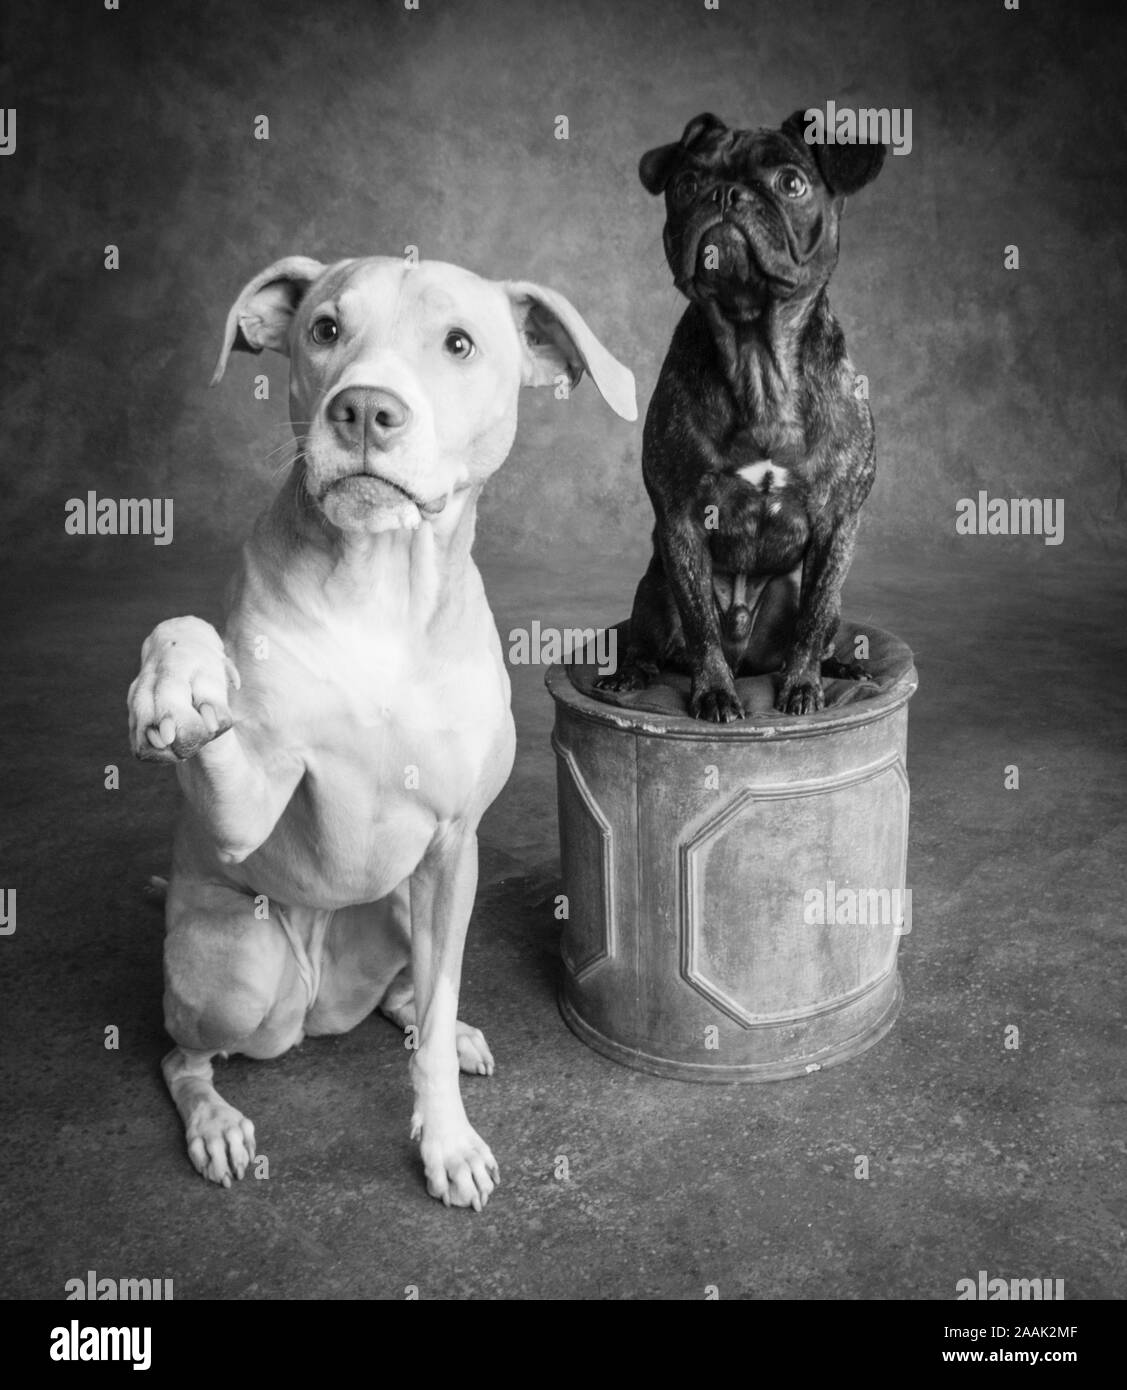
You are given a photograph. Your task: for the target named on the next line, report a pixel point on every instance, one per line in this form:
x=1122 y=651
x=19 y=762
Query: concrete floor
x=980 y=1158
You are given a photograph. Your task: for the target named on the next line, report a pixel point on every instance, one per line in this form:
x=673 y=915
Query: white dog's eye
x=791 y=183
x=324 y=331
x=459 y=344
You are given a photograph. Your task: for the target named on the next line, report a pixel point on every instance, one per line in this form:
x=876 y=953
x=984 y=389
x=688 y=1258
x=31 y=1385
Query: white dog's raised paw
x=178 y=703
x=459 y=1168
x=220 y=1142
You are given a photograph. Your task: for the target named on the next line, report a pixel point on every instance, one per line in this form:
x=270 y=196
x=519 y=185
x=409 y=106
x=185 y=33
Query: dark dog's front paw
x=715 y=705
x=800 y=695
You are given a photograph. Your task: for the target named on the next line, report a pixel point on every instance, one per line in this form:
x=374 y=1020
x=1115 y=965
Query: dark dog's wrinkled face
x=752 y=215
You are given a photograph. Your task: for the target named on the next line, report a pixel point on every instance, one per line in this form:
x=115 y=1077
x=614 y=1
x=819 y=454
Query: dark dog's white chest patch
x=764 y=475
x=769 y=479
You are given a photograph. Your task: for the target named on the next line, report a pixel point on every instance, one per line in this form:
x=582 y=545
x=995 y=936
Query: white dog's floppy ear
x=261 y=316
x=555 y=341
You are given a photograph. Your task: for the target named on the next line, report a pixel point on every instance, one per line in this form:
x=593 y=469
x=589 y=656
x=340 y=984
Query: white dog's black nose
x=368 y=414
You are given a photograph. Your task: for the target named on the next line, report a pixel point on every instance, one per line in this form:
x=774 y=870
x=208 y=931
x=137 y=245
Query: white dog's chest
x=397 y=738
x=394 y=741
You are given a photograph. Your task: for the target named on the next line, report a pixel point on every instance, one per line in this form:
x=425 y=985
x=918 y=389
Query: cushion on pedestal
x=888 y=661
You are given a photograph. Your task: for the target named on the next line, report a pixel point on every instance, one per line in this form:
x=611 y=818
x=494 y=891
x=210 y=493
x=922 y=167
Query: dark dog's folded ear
x=656 y=166
x=844 y=168
x=261 y=315
x=555 y=341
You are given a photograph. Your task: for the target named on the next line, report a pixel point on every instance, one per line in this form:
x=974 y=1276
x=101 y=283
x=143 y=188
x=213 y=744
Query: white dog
x=339 y=743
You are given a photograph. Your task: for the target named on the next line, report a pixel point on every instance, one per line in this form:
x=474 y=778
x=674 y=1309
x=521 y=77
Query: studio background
x=436 y=128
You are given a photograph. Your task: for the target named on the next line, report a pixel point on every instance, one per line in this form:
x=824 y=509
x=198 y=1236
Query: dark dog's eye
x=790 y=183
x=459 y=344
x=685 y=188
x=324 y=331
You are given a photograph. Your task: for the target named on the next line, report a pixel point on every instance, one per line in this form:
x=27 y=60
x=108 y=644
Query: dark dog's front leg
x=688 y=568
x=823 y=573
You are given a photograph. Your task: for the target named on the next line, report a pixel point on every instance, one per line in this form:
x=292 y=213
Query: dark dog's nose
x=368 y=414
x=727 y=195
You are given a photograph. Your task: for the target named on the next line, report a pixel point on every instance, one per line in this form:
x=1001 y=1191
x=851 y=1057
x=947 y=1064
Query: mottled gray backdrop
x=435 y=127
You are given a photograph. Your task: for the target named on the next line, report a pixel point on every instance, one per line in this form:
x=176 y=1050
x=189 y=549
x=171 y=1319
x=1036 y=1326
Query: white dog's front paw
x=178 y=703
x=220 y=1141
x=460 y=1170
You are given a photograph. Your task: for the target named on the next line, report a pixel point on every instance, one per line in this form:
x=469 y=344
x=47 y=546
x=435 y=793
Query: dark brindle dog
x=757 y=452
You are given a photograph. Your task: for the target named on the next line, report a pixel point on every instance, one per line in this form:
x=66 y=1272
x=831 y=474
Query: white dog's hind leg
x=232 y=985
x=398 y=1004
x=220 y=1139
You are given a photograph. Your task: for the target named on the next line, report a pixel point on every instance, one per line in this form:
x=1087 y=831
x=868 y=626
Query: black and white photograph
x=564 y=577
